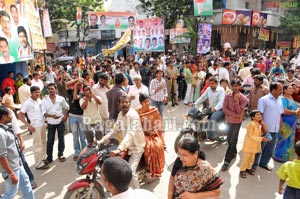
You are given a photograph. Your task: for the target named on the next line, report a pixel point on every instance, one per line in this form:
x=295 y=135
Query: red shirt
x=234 y=110
x=262 y=67
x=9 y=82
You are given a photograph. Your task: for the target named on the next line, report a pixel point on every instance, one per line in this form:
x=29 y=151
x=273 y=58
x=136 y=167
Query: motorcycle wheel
x=179 y=137
x=81 y=192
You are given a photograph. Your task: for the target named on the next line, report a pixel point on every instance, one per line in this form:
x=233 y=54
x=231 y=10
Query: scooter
x=198 y=125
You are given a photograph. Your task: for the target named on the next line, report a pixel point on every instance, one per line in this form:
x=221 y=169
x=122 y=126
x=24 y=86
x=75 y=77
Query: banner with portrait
x=46 y=24
x=177 y=36
x=111 y=20
x=259 y=19
x=264 y=34
x=204 y=35
x=20 y=31
x=203 y=8
x=148 y=35
x=236 y=17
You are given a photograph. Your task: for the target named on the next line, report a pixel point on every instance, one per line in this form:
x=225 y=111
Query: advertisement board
x=46 y=24
x=204 y=35
x=148 y=35
x=264 y=34
x=177 y=36
x=111 y=20
x=20 y=31
x=259 y=19
x=236 y=17
x=203 y=7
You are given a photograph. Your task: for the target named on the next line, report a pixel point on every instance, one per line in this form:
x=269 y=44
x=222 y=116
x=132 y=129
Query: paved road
x=53 y=182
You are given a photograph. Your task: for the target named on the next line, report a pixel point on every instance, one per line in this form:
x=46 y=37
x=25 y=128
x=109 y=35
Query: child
x=224 y=84
x=289 y=172
x=252 y=142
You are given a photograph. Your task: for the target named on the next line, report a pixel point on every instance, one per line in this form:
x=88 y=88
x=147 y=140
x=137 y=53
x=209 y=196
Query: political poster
x=20 y=31
x=204 y=35
x=264 y=34
x=46 y=24
x=148 y=35
x=236 y=17
x=203 y=7
x=177 y=36
x=259 y=19
x=111 y=20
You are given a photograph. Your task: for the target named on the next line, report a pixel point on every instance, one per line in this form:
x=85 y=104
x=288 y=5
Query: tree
x=290 y=24
x=66 y=9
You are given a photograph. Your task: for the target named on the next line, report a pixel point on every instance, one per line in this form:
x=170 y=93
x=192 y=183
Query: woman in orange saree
x=153 y=128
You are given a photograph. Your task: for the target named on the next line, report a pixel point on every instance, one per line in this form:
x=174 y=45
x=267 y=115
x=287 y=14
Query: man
x=277 y=72
x=36 y=126
x=93 y=21
x=261 y=65
x=188 y=76
x=258 y=91
x=36 y=81
x=52 y=109
x=136 y=90
x=24 y=90
x=171 y=76
x=91 y=117
x=103 y=25
x=214 y=69
x=215 y=95
x=114 y=94
x=4 y=49
x=9 y=82
x=10 y=162
x=290 y=78
x=128 y=130
x=271 y=107
x=114 y=169
x=75 y=116
x=24 y=50
x=147 y=44
x=245 y=71
x=14 y=13
x=223 y=72
x=154 y=43
x=5 y=23
x=206 y=47
x=134 y=71
x=158 y=91
x=131 y=22
x=49 y=75
x=233 y=107
x=145 y=74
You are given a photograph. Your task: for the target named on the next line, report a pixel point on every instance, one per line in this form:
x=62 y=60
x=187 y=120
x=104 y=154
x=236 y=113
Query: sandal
x=251 y=171
x=243 y=174
x=62 y=158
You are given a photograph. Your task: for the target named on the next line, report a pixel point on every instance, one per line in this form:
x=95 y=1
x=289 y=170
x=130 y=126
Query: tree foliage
x=66 y=9
x=290 y=23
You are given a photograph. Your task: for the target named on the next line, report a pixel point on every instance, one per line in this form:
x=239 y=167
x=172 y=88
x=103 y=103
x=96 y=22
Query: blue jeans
x=26 y=167
x=216 y=116
x=291 y=193
x=267 y=149
x=51 y=137
x=159 y=106
x=11 y=190
x=79 y=141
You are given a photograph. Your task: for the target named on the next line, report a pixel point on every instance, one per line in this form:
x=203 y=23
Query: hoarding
x=259 y=19
x=148 y=35
x=111 y=20
x=204 y=35
x=177 y=36
x=46 y=24
x=236 y=17
x=264 y=34
x=203 y=7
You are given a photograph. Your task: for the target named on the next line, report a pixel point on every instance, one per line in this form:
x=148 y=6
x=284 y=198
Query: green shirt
x=187 y=73
x=290 y=172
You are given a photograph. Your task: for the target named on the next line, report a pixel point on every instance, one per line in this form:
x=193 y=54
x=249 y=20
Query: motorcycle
x=89 y=164
x=198 y=125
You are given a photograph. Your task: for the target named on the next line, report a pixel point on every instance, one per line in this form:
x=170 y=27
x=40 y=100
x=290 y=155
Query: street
x=53 y=183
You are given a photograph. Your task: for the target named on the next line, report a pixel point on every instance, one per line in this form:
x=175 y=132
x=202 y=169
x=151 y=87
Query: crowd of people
x=125 y=99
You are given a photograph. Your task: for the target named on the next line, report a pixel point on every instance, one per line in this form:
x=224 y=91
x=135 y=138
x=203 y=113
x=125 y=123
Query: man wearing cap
x=259 y=90
x=171 y=76
x=135 y=91
x=113 y=95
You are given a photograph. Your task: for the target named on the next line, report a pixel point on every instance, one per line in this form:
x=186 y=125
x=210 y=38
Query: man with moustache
x=128 y=130
x=4 y=49
x=24 y=50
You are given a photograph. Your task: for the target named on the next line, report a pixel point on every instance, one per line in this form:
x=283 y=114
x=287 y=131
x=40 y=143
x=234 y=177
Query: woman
x=284 y=150
x=192 y=176
x=152 y=125
x=18 y=84
x=88 y=81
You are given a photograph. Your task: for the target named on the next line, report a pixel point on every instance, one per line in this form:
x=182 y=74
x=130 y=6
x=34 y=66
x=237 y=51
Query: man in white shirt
x=134 y=71
x=36 y=81
x=24 y=90
x=129 y=132
x=136 y=90
x=52 y=109
x=49 y=75
x=4 y=50
x=114 y=169
x=223 y=72
x=36 y=126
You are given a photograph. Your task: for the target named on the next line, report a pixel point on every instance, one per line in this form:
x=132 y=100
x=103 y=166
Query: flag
x=124 y=40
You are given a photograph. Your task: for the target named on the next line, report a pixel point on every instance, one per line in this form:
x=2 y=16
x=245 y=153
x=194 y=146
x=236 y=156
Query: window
x=247 y=5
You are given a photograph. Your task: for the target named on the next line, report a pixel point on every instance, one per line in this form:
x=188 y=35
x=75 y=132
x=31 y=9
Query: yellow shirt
x=290 y=172
x=252 y=142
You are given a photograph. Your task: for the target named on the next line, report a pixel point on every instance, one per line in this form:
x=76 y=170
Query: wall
x=240 y=4
x=124 y=6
